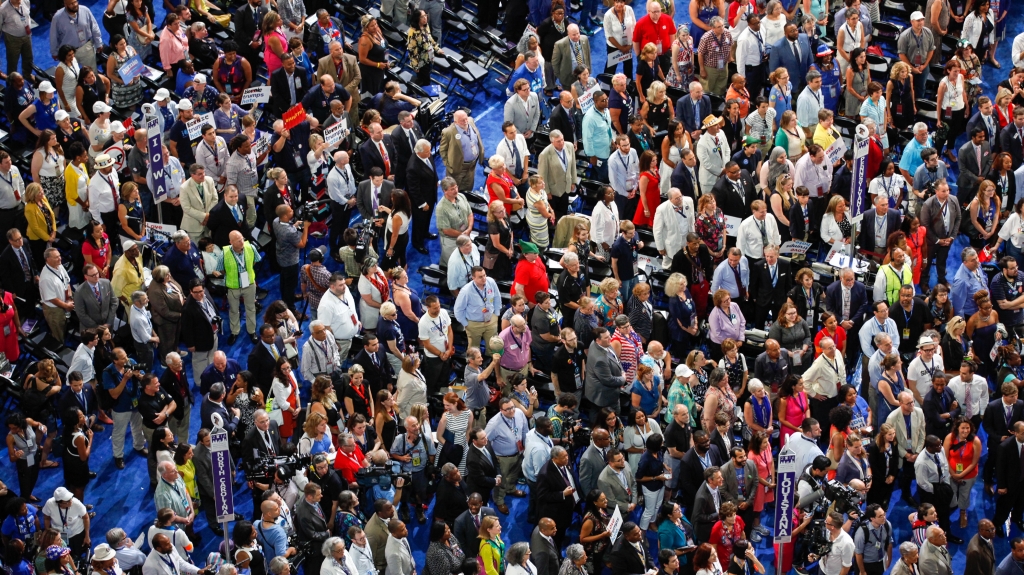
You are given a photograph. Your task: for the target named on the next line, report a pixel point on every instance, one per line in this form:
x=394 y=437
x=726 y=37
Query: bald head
x=565 y=98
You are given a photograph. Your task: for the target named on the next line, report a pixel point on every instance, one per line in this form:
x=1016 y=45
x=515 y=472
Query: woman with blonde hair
x=608 y=304
x=42 y=222
x=985 y=209
x=647 y=71
x=899 y=93
x=1004 y=107
x=316 y=437
x=491 y=552
x=420 y=412
x=835 y=225
x=682 y=313
x=540 y=214
x=389 y=333
x=358 y=396
x=657 y=112
x=130 y=212
x=500 y=247
x=710 y=226
x=956 y=346
x=411 y=387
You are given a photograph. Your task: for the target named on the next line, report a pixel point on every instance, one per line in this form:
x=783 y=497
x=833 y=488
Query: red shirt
x=533 y=277
x=647 y=31
x=347 y=465
x=99 y=256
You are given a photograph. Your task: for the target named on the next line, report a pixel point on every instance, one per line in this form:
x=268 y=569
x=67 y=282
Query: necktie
x=319 y=511
x=977 y=151
x=579 y=53
x=796 y=50
x=476 y=521
x=967 y=399
x=270 y=445
x=291 y=88
x=273 y=352
x=775 y=275
x=24 y=265
x=846 y=305
x=938 y=465
x=236 y=213
x=376 y=362
x=1021 y=459
x=412 y=140
x=515 y=156
x=739 y=282
x=96 y=292
x=1008 y=414
x=991 y=130
x=387 y=162
x=565 y=476
x=81 y=399
x=376 y=202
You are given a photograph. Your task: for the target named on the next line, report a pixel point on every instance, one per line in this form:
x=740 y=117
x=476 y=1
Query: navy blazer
x=977 y=122
x=681 y=179
x=867 y=229
x=684 y=112
x=782 y=57
x=208 y=408
x=1009 y=141
x=860 y=303
x=67 y=400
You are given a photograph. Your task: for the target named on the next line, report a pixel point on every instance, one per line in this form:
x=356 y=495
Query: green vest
x=231 y=276
x=893 y=282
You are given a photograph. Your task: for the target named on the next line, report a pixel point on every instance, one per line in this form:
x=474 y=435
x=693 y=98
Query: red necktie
x=387 y=162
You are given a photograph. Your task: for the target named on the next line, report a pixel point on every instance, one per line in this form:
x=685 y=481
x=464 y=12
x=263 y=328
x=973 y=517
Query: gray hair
x=517 y=553
x=278 y=565
x=557 y=451
x=137 y=296
x=968 y=252
x=172 y=357
x=447 y=183
x=346 y=439
x=161 y=273
x=496 y=161
x=881 y=337
x=555 y=134
x=717 y=375
x=422 y=146
x=315 y=323
x=825 y=340
x=843 y=272
x=695 y=84
x=463 y=240
x=328 y=547
x=808 y=19
x=753 y=385
x=197 y=26
x=850 y=12
x=717 y=20
x=920 y=126
x=227 y=569
x=115 y=536
x=574 y=552
x=908 y=548
x=813 y=75
x=570 y=258
x=217 y=390
x=447 y=469
x=869 y=123
x=179 y=235
x=165 y=466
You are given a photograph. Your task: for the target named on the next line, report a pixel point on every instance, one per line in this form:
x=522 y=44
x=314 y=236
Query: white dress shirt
x=158 y=564
x=604 y=224
x=341 y=184
x=749 y=52
x=102 y=193
x=505 y=147
x=978 y=390
x=813 y=176
x=338 y=313
x=750 y=240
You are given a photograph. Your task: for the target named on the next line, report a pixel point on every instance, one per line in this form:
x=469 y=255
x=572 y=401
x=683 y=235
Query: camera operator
x=289 y=241
x=271 y=536
x=312 y=526
x=415 y=451
x=873 y=542
x=810 y=500
x=839 y=558
x=122 y=383
x=387 y=487
x=329 y=481
x=563 y=418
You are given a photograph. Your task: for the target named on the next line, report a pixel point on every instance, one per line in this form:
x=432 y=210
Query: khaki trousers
x=249 y=294
x=57 y=321
x=477 y=330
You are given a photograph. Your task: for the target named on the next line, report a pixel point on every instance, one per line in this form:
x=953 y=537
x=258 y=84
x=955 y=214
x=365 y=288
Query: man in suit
x=19 y=274
x=934 y=557
x=545 y=552
x=262 y=440
x=611 y=481
x=975 y=165
x=1010 y=138
x=999 y=418
x=684 y=176
x=691 y=110
x=452 y=494
x=289 y=85
x=909 y=440
x=604 y=374
x=467 y=524
x=461 y=150
x=379 y=152
x=557 y=165
x=630 y=555
x=481 y=466
x=371 y=193
x=398 y=553
x=940 y=406
x=377 y=532
x=734 y=191
x=377 y=370
x=879 y=222
x=566 y=118
x=940 y=216
x=593 y=460
x=740 y=484
x=557 y=492
x=422 y=188
x=404 y=136
x=847 y=299
x=312 y=527
x=95 y=302
x=691 y=469
x=227 y=216
x=263 y=358
x=198 y=197
x=1009 y=478
x=794 y=54
x=200 y=324
x=985 y=119
x=770 y=281
x=248 y=23
x=569 y=53
x=79 y=396
x=344 y=68
x=706 y=503
x=175 y=383
x=981 y=555
x=523 y=109
x=214 y=404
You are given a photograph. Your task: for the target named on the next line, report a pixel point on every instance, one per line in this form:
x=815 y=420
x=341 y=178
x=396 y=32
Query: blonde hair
x=675 y=284
x=419 y=411
x=1001 y=95
x=493 y=207
x=656 y=87
x=274 y=173
x=898 y=69
x=314 y=141
x=32 y=192
x=608 y=285
x=127 y=188
x=313 y=420
x=626 y=226
x=649 y=48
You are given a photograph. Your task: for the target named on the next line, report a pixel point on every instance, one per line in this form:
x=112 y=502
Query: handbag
x=489 y=260
x=276 y=415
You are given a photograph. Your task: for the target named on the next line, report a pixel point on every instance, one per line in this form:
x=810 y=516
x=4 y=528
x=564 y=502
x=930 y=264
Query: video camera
x=263 y=469
x=367 y=236
x=313 y=211
x=816 y=540
x=578 y=438
x=383 y=475
x=845 y=498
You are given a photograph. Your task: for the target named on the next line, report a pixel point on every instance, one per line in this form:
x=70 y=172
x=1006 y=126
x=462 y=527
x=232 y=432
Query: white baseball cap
x=683 y=371
x=61 y=115
x=199 y=79
x=128 y=244
x=46 y=86
x=185 y=104
x=917 y=15
x=117 y=127
x=62 y=494
x=162 y=94
x=100 y=108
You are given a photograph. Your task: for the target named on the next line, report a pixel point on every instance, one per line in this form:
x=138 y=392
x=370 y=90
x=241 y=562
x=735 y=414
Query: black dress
x=360 y=400
x=76 y=471
x=97 y=92
x=373 y=77
x=502 y=270
x=389 y=430
x=901 y=106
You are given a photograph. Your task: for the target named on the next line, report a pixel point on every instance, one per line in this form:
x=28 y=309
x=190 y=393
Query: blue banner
x=859 y=181
x=154 y=139
x=785 y=496
x=131 y=68
x=223 y=497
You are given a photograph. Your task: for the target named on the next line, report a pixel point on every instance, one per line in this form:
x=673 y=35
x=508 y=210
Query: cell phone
x=686 y=548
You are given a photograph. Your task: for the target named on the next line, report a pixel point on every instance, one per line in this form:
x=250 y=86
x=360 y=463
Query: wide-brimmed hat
x=104 y=161
x=103 y=552
x=925 y=340
x=711 y=120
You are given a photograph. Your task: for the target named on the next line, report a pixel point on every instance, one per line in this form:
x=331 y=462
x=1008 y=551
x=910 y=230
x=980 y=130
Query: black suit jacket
x=378 y=378
x=404 y=150
x=859 y=303
x=625 y=560
x=281 y=101
x=253 y=445
x=246 y=28
x=932 y=407
x=196 y=330
x=718 y=441
x=690 y=187
x=262 y=363
x=179 y=390
x=466 y=530
x=208 y=408
x=67 y=400
x=12 y=276
x=876 y=459
x=704 y=514
x=480 y=473
x=977 y=122
x=550 y=497
x=567 y=123
x=544 y=556
x=309 y=524
x=691 y=474
x=451 y=500
x=1010 y=142
x=421 y=182
x=1008 y=475
x=370 y=156
x=866 y=238
x=727 y=199
x=681 y=263
x=222 y=222
x=761 y=289
x=994 y=420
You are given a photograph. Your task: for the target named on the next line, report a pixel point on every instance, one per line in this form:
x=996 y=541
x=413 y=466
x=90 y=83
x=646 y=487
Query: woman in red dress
x=11 y=325
x=650 y=190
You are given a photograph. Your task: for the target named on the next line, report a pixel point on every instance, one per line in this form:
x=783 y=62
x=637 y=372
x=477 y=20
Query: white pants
x=121 y=421
x=652 y=503
x=201 y=360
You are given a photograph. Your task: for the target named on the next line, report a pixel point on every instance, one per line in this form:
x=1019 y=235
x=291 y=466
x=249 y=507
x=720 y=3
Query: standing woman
x=793 y=407
x=635 y=437
x=982 y=328
x=140 y=22
x=92 y=87
x=76 y=187
x=710 y=226
x=411 y=387
x=963 y=450
x=324 y=400
x=985 y=210
x=955 y=345
x=720 y=398
x=885 y=466
x=789 y=136
x=682 y=314
x=858 y=79
x=874 y=107
x=1003 y=177
x=952 y=110
x=1013 y=230
x=42 y=223
x=850 y=36
x=455 y=425
x=618 y=34
x=275 y=44
x=539 y=213
x=650 y=190
x=373 y=291
x=650 y=475
x=48 y=168
x=781 y=201
x=647 y=72
x=66 y=78
x=759 y=450
x=23 y=437
x=247 y=398
x=500 y=250
x=735 y=365
x=285 y=393
x=357 y=396
x=293 y=15
x=130 y=212
x=396 y=234
x=408 y=313
x=890 y=385
x=680 y=72
x=386 y=421
x=594 y=534
x=122 y=95
x=979 y=31
x=10 y=322
x=899 y=93
x=491 y=552
x=805 y=296
x=701 y=13
x=971 y=65
x=373 y=55
x=671 y=153
x=422 y=47
x=757 y=411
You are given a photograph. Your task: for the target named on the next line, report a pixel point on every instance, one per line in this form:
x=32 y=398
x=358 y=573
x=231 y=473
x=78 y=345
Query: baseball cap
x=199 y=79
x=162 y=94
x=100 y=108
x=62 y=494
x=917 y=15
x=185 y=104
x=117 y=127
x=46 y=86
x=61 y=115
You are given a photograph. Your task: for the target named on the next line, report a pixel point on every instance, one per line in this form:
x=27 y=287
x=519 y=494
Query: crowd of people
x=676 y=383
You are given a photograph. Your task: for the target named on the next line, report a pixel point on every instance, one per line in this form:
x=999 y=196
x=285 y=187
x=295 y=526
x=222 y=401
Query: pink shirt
x=173 y=47
x=269 y=57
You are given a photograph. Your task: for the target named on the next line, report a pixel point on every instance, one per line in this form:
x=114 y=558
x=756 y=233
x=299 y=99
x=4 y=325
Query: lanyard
x=170 y=564
x=907 y=316
x=213 y=151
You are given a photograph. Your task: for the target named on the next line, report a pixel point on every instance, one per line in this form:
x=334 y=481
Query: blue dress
x=704 y=14
x=683 y=312
x=830 y=87
x=783 y=102
x=648 y=399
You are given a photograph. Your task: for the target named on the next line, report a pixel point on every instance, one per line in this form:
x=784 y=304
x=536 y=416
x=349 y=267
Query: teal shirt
x=597 y=134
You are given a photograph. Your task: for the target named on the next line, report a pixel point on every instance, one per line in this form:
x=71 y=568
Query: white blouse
x=830 y=230
x=1013 y=231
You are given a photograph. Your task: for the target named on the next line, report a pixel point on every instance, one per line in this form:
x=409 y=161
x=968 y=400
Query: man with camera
x=289 y=241
x=372 y=194
x=415 y=452
x=271 y=536
x=122 y=383
x=839 y=558
x=873 y=541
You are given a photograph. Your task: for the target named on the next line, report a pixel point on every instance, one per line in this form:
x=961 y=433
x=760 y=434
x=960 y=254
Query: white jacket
x=972 y=29
x=670 y=229
x=604 y=224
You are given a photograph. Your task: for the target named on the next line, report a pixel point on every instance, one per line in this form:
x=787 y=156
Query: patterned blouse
x=600 y=526
x=343 y=520
x=443 y=559
x=726 y=401
x=422 y=47
x=711 y=229
x=606 y=312
x=629 y=356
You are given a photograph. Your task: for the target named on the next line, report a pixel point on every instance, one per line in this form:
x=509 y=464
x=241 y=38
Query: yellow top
x=37 y=228
x=492 y=552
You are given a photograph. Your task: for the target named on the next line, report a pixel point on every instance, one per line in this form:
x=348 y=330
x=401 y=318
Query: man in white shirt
x=461 y=263
x=319 y=353
x=537 y=452
x=65 y=513
x=624 y=175
x=12 y=192
x=933 y=481
x=839 y=559
x=341 y=188
x=751 y=53
x=338 y=312
x=712 y=152
x=165 y=560
x=970 y=390
x=438 y=340
x=212 y=154
x=142 y=329
x=823 y=379
x=55 y=293
x=1017 y=52
x=814 y=173
x=757 y=231
x=924 y=367
x=672 y=221
x=805 y=444
x=513 y=149
x=103 y=193
x=360 y=551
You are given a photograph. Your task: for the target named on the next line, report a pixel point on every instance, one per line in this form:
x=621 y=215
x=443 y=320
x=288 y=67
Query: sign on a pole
x=615 y=523
x=154 y=141
x=223 y=497
x=859 y=181
x=785 y=496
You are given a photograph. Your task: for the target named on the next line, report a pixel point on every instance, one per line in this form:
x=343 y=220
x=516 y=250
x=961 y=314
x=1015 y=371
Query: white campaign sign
x=794 y=247
x=732 y=225
x=256 y=95
x=619 y=56
x=836 y=150
x=261 y=145
x=615 y=523
x=336 y=132
x=195 y=125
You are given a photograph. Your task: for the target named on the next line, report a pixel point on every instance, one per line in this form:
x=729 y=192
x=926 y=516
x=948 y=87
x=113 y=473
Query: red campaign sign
x=294 y=117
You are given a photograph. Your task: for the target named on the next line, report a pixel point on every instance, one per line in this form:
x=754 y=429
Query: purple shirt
x=725 y=326
x=517 y=349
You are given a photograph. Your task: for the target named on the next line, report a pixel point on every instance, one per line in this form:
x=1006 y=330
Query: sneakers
x=755 y=536
x=763 y=531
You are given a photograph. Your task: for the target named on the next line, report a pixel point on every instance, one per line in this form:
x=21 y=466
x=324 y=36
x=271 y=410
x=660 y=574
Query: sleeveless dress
x=134 y=40
x=410 y=329
x=134 y=216
x=796 y=409
x=860 y=84
x=883 y=408
x=69 y=84
x=665 y=171
x=960 y=457
x=231 y=76
x=76 y=471
x=984 y=339
x=653 y=196
x=537 y=222
x=704 y=14
x=373 y=77
x=271 y=59
x=92 y=93
x=457 y=424
x=901 y=106
x=764 y=464
x=247 y=411
x=658 y=116
x=125 y=95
